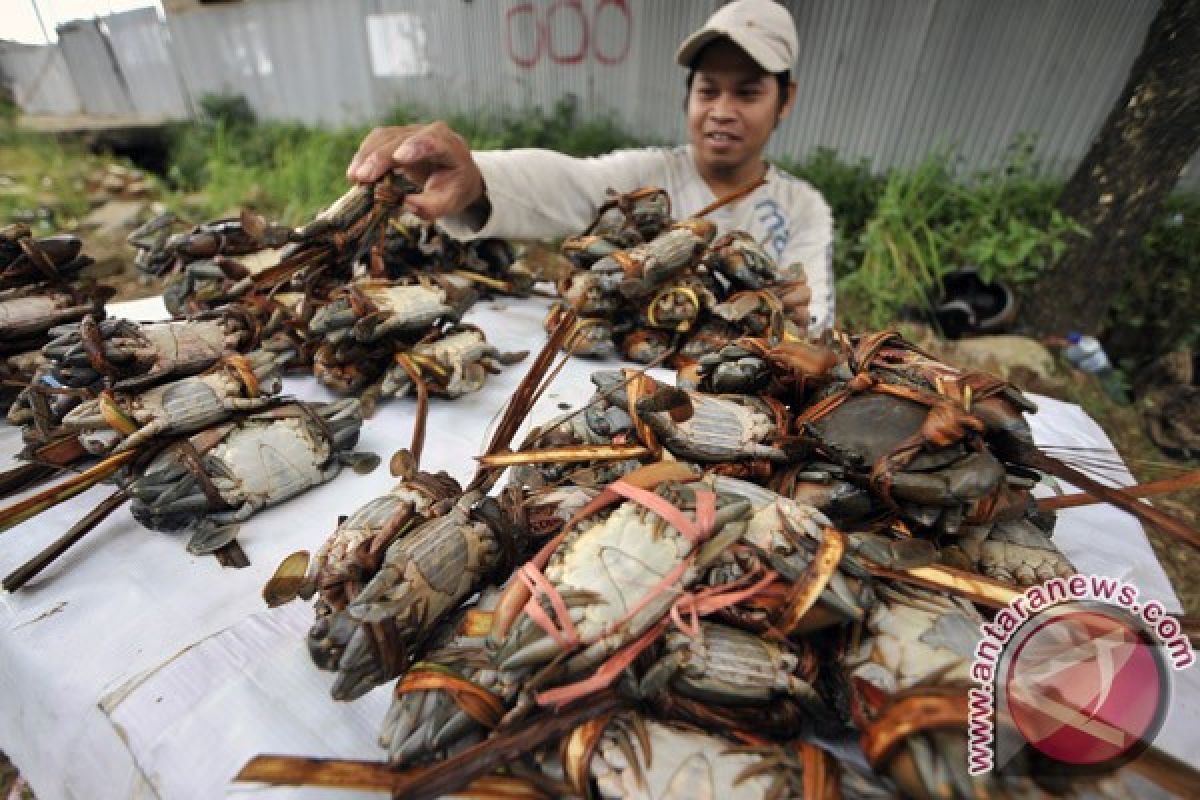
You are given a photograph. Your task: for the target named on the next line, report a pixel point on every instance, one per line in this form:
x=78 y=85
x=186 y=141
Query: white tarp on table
x=130 y=668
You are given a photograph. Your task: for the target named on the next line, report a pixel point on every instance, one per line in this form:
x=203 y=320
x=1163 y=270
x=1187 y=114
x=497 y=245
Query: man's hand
x=432 y=156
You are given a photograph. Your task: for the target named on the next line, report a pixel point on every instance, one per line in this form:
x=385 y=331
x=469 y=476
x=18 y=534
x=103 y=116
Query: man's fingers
x=366 y=170
x=420 y=150
x=430 y=205
x=373 y=159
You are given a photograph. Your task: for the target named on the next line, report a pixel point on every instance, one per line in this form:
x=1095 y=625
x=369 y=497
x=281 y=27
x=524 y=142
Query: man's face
x=732 y=108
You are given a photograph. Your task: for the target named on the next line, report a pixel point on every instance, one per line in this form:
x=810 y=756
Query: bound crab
x=29 y=313
x=373 y=310
x=131 y=355
x=25 y=260
x=909 y=682
x=161 y=251
x=696 y=426
x=454 y=696
x=625 y=755
x=454 y=364
x=353 y=553
x=607 y=584
x=638 y=271
x=115 y=422
x=729 y=679
x=214 y=479
x=425 y=575
x=209 y=283
x=622 y=221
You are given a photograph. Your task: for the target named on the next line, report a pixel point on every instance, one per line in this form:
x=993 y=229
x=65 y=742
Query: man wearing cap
x=739 y=89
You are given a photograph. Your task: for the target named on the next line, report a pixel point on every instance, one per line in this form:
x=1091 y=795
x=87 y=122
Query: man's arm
x=809 y=250
x=540 y=193
x=512 y=193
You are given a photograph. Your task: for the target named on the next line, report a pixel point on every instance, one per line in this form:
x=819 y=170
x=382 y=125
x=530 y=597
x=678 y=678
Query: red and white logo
x=1085 y=685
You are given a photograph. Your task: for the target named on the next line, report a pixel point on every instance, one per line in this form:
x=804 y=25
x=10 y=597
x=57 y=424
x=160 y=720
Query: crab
x=424 y=576
x=115 y=423
x=638 y=271
x=25 y=260
x=134 y=355
x=701 y=427
x=219 y=477
x=29 y=313
x=372 y=310
x=451 y=365
x=726 y=677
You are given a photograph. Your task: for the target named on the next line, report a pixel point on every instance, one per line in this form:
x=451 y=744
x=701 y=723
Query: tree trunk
x=1132 y=166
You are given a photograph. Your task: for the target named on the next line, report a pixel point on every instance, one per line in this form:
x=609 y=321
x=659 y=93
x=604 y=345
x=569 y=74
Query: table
x=131 y=669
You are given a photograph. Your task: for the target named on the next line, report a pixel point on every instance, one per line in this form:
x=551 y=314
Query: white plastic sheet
x=132 y=669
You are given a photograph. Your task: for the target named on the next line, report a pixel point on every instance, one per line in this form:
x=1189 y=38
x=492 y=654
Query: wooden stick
x=523 y=398
x=23 y=476
x=736 y=194
x=335 y=773
x=976 y=588
x=1167 y=772
x=1190 y=480
x=45 y=460
x=47 y=498
x=1148 y=514
x=565 y=455
x=444 y=777
x=22 y=574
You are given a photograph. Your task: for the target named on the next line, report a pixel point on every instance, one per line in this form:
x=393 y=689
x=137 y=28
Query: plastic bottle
x=1087 y=354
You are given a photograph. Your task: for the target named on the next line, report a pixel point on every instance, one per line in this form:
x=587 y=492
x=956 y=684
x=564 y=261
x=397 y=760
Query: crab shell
x=30 y=311
x=258 y=461
x=643 y=759
x=425 y=575
x=351 y=554
x=141 y=354
x=183 y=406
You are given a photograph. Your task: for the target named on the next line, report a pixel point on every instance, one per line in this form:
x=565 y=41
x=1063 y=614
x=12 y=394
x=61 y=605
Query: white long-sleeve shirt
x=538 y=194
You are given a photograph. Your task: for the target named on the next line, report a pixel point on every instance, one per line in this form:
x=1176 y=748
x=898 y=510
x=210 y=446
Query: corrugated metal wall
x=885 y=80
x=93 y=66
x=139 y=43
x=40 y=81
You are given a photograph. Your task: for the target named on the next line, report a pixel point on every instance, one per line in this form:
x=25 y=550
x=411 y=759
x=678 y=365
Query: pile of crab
x=654 y=289
x=768 y=584
x=366 y=294
x=40 y=288
x=182 y=415
x=185 y=416
x=180 y=412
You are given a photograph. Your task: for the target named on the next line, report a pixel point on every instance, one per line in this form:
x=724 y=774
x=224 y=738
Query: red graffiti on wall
x=566 y=33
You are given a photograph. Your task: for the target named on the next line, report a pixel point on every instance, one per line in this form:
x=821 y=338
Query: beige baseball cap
x=763 y=28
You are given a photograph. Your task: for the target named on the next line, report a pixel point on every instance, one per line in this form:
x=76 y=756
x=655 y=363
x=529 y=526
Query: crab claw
x=85 y=416
x=333 y=316
x=328 y=637
x=209 y=538
x=359 y=669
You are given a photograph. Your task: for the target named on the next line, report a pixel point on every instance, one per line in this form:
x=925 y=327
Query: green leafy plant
x=902 y=245
x=1006 y=223
x=929 y=221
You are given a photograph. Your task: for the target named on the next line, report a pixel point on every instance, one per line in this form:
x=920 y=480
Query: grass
x=43 y=181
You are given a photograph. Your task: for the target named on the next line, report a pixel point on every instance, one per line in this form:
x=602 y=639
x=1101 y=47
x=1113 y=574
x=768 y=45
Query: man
x=739 y=90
